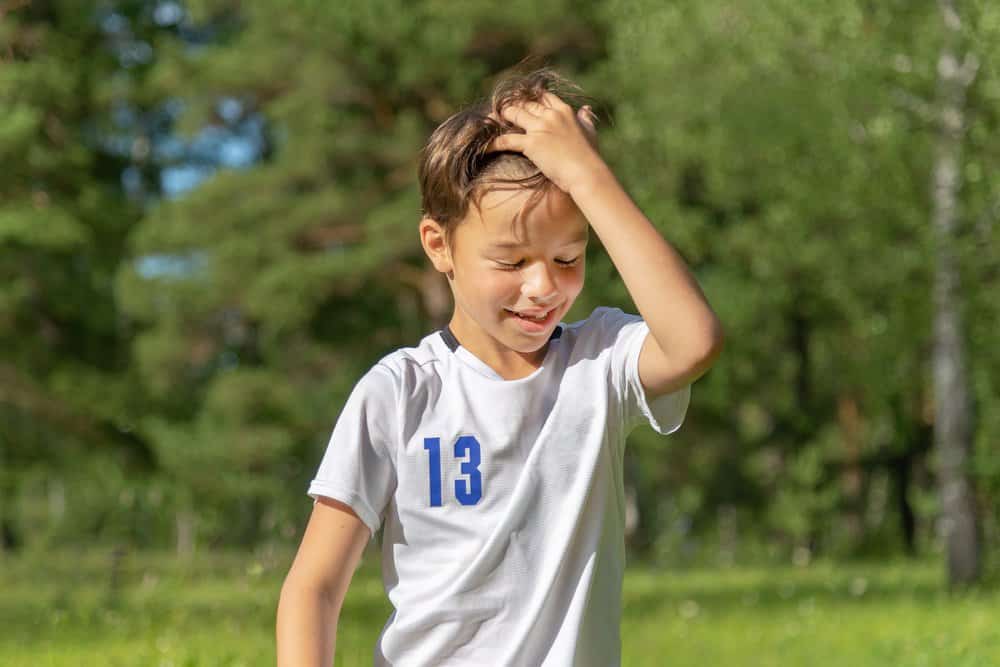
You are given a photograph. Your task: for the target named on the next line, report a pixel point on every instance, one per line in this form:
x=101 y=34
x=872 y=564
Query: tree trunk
x=57 y=501
x=853 y=474
x=185 y=533
x=952 y=418
x=900 y=469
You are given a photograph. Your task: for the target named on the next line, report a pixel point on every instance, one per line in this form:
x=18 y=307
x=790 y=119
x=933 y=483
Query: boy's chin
x=522 y=341
x=529 y=346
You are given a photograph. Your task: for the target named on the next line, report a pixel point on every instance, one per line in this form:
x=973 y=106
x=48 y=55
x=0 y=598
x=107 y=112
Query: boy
x=492 y=451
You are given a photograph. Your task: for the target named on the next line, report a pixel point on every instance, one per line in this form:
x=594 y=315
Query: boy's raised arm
x=685 y=335
x=314 y=590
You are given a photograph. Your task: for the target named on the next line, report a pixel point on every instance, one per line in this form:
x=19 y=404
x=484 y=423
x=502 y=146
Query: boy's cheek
x=575 y=285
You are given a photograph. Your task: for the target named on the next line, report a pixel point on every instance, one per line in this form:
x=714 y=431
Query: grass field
x=62 y=610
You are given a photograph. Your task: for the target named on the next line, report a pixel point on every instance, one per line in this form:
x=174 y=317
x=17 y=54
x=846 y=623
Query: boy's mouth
x=537 y=316
x=533 y=321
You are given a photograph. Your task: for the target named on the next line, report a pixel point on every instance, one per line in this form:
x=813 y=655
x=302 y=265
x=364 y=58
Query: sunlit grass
x=826 y=614
x=65 y=609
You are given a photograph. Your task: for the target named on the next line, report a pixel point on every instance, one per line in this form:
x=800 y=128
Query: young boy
x=492 y=451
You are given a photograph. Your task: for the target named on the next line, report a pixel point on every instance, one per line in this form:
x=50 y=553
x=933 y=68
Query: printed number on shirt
x=468 y=490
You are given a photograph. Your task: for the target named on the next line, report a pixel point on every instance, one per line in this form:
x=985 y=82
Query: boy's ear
x=432 y=238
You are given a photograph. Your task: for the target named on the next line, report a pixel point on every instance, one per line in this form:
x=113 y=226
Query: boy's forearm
x=665 y=293
x=306 y=627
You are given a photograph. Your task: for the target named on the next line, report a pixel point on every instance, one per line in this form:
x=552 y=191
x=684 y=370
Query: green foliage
x=64 y=379
x=301 y=271
x=786 y=151
x=202 y=346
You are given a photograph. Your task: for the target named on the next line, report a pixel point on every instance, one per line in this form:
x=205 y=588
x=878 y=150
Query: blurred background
x=208 y=232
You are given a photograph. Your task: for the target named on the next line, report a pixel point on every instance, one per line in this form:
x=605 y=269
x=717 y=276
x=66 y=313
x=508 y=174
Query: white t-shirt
x=503 y=501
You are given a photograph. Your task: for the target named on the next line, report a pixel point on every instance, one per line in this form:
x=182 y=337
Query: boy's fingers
x=519 y=116
x=531 y=108
x=534 y=108
x=588 y=121
x=507 y=142
x=553 y=101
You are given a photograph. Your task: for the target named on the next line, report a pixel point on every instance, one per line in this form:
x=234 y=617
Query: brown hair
x=455 y=169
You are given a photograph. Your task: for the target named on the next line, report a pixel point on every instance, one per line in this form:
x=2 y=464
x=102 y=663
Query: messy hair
x=456 y=170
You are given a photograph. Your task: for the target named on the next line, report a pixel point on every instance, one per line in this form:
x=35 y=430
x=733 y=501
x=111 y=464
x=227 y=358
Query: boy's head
x=510 y=242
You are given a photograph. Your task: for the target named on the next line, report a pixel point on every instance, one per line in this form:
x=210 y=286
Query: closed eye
x=513 y=266
x=507 y=266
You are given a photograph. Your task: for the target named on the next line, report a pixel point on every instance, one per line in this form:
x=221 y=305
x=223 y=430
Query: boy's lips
x=536 y=313
x=533 y=321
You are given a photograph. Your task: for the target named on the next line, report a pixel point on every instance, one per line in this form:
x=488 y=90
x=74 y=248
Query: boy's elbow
x=298 y=590
x=707 y=354
x=717 y=344
x=305 y=624
x=712 y=344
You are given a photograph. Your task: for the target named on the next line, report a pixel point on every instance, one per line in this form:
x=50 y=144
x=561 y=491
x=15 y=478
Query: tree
x=786 y=150
x=296 y=273
x=952 y=424
x=65 y=391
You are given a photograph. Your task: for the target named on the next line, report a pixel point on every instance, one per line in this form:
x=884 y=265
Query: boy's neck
x=507 y=363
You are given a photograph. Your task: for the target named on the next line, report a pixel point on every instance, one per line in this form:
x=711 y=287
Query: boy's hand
x=561 y=143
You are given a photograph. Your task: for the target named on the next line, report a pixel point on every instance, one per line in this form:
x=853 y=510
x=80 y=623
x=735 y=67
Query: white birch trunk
x=952 y=419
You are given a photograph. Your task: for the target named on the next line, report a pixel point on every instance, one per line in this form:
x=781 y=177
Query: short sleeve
x=626 y=334
x=358 y=467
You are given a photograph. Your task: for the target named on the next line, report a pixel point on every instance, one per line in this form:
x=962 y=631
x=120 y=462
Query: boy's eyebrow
x=501 y=245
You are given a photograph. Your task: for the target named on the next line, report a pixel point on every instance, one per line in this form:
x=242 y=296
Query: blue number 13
x=467 y=491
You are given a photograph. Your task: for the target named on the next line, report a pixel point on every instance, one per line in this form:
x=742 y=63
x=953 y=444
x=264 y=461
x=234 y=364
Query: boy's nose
x=539 y=284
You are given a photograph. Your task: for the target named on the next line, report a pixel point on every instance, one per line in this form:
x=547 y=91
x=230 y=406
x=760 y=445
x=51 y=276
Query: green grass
x=60 y=610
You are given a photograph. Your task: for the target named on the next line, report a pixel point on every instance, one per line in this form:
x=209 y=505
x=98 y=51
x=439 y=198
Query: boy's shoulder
x=601 y=326
x=410 y=363
x=602 y=316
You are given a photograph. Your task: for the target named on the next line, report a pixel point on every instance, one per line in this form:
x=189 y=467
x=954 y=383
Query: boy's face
x=514 y=276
